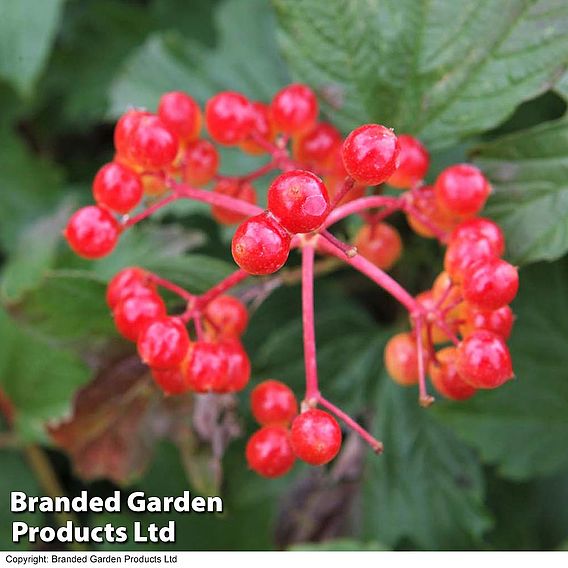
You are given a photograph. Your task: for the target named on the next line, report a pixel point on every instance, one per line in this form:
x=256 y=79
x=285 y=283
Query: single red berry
x=201 y=162
x=273 y=402
x=498 y=321
x=261 y=245
x=171 y=381
x=445 y=377
x=401 y=359
x=269 y=453
x=134 y=313
x=238 y=366
x=229 y=118
x=479 y=227
x=228 y=315
x=262 y=128
x=294 y=109
x=462 y=254
x=123 y=130
x=205 y=367
x=117 y=187
x=380 y=243
x=370 y=154
x=153 y=146
x=462 y=189
x=299 y=200
x=128 y=282
x=484 y=361
x=163 y=343
x=233 y=188
x=92 y=232
x=315 y=437
x=317 y=146
x=490 y=284
x=413 y=162
x=181 y=114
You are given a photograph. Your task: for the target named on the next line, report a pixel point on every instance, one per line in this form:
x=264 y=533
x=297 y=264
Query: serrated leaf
x=442 y=70
x=528 y=171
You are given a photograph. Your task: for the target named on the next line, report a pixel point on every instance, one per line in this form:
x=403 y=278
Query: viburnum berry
x=273 y=402
x=427 y=300
x=315 y=437
x=262 y=128
x=163 y=343
x=477 y=228
x=171 y=381
x=483 y=360
x=92 y=232
x=380 y=243
x=294 y=109
x=299 y=200
x=181 y=114
x=370 y=154
x=261 y=245
x=132 y=281
x=117 y=187
x=461 y=254
x=201 y=162
x=153 y=184
x=269 y=453
x=134 y=313
x=413 y=163
x=153 y=145
x=462 y=189
x=233 y=188
x=205 y=367
x=490 y=283
x=238 y=366
x=228 y=315
x=229 y=118
x=401 y=359
x=123 y=130
x=498 y=321
x=445 y=377
x=316 y=147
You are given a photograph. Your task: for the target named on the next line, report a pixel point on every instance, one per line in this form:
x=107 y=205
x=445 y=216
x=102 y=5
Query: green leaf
x=427 y=486
x=528 y=171
x=338 y=545
x=522 y=427
x=442 y=70
x=27 y=30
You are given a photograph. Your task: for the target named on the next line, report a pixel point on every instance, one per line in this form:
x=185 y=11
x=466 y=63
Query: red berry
x=473 y=229
x=269 y=453
x=413 y=162
x=460 y=255
x=299 y=200
x=233 y=188
x=380 y=243
x=260 y=245
x=127 y=282
x=228 y=315
x=181 y=114
x=490 y=284
x=317 y=146
x=262 y=127
x=171 y=381
x=429 y=302
x=370 y=154
x=294 y=109
x=201 y=162
x=163 y=343
x=238 y=366
x=205 y=367
x=153 y=146
x=498 y=321
x=273 y=402
x=117 y=187
x=134 y=313
x=92 y=232
x=315 y=437
x=401 y=359
x=462 y=189
x=123 y=130
x=445 y=376
x=229 y=118
x=484 y=361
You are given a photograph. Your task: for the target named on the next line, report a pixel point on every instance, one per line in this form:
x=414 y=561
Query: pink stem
x=198 y=327
x=424 y=398
x=360 y=205
x=312 y=389
x=442 y=324
x=347 y=249
x=163 y=283
x=373 y=442
x=345 y=188
x=130 y=221
x=440 y=234
x=260 y=172
x=221 y=287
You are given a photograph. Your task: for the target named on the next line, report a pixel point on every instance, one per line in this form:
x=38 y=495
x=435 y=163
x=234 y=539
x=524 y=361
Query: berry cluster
x=321 y=179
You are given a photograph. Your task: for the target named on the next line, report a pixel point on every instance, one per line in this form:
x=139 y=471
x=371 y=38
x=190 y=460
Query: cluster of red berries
x=314 y=436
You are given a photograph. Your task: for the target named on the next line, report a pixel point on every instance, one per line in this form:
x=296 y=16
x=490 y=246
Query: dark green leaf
x=338 y=545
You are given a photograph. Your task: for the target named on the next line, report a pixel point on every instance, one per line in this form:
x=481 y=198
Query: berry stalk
x=310 y=360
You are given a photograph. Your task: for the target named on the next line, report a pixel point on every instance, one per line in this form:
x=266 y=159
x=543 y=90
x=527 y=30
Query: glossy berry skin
x=153 y=146
x=316 y=147
x=490 y=284
x=269 y=453
x=238 y=366
x=462 y=189
x=445 y=377
x=163 y=343
x=92 y=232
x=228 y=315
x=205 y=367
x=401 y=359
x=498 y=321
x=474 y=229
x=201 y=162
x=315 y=437
x=233 y=188
x=462 y=254
x=181 y=114
x=380 y=243
x=134 y=313
x=484 y=361
x=273 y=402
x=370 y=154
x=261 y=245
x=413 y=163
x=229 y=118
x=294 y=109
x=299 y=200
x=124 y=129
x=171 y=381
x=262 y=127
x=128 y=282
x=117 y=187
